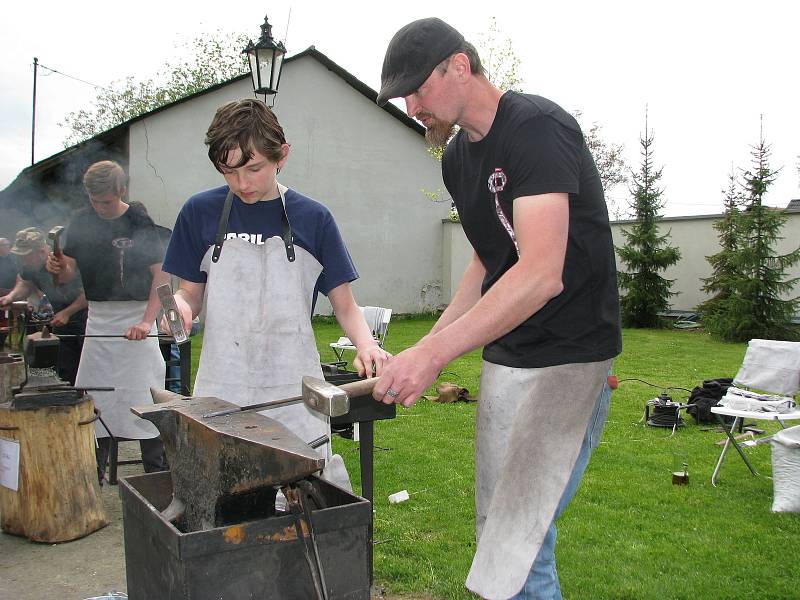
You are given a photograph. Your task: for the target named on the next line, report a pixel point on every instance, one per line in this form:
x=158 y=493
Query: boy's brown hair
x=246 y=124
x=105 y=177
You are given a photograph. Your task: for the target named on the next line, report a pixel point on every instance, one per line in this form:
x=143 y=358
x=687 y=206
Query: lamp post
x=266 y=60
x=33 y=112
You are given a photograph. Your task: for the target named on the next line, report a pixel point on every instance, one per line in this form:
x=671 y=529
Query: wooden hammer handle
x=362 y=387
x=57 y=252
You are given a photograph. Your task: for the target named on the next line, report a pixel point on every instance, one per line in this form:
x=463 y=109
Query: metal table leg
x=185 y=351
x=731 y=440
x=366 y=437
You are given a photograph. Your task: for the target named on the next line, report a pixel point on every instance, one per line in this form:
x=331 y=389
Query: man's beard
x=439 y=133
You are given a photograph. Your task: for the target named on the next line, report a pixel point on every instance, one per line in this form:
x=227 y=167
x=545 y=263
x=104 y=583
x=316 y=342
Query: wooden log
x=59 y=496
x=12 y=374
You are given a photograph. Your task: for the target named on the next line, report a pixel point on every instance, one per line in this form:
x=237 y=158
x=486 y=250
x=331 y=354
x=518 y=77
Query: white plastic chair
x=771 y=366
x=377 y=319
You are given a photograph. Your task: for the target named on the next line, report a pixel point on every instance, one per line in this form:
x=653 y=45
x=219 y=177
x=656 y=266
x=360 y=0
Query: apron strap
x=286 y=228
x=222 y=229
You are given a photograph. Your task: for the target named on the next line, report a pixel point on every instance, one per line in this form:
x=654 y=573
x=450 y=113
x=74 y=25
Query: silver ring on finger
x=392 y=393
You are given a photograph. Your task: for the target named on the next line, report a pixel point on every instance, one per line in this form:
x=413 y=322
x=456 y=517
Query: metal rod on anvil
x=56 y=386
x=105 y=335
x=315 y=393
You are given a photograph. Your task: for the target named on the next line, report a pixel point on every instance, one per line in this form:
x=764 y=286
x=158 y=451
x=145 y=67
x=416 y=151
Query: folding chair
x=768 y=365
x=377 y=319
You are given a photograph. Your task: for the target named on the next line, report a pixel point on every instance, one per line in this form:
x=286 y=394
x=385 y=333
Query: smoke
x=49 y=192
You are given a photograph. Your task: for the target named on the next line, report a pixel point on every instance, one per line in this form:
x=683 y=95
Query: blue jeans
x=542 y=582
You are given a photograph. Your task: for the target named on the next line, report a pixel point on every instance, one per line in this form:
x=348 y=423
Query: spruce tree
x=756 y=306
x=723 y=262
x=646 y=253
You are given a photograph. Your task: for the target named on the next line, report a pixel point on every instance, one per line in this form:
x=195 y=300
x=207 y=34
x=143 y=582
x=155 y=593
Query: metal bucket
x=260 y=558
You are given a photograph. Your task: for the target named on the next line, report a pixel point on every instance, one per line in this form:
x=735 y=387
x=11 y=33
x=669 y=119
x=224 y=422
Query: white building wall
x=695 y=236
x=366 y=166
x=697 y=239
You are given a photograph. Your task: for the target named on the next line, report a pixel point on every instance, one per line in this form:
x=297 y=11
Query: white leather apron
x=258 y=342
x=526 y=448
x=130 y=367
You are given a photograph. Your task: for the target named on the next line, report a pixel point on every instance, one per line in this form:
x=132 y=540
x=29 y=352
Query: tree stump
x=12 y=374
x=59 y=496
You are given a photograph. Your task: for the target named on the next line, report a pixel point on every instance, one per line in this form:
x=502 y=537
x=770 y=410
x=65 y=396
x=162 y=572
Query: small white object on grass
x=397 y=497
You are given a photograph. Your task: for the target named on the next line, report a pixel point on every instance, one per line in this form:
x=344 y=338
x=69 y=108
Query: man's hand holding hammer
x=55 y=237
x=62 y=266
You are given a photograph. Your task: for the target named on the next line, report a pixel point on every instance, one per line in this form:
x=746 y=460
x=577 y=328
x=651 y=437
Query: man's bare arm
x=466 y=296
x=21 y=290
x=541 y=225
x=141 y=330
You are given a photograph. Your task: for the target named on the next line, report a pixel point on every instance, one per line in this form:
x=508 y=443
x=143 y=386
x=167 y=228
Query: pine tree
x=755 y=307
x=645 y=253
x=723 y=262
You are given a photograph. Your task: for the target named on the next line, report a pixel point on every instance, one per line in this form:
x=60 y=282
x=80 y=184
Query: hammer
x=319 y=395
x=55 y=236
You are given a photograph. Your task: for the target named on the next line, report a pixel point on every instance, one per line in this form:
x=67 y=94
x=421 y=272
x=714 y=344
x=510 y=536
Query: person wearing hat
x=68 y=300
x=119 y=253
x=540 y=295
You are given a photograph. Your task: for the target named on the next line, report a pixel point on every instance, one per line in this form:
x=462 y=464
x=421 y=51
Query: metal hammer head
x=19 y=307
x=55 y=237
x=55 y=232
x=325 y=397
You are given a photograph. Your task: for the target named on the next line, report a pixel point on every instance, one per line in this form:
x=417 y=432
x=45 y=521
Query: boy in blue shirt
x=259 y=253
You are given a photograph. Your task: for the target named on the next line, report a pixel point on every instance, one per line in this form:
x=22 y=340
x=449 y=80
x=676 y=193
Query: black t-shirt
x=540 y=149
x=59 y=296
x=114 y=255
x=8 y=272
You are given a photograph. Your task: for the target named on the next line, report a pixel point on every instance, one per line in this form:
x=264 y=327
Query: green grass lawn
x=630 y=533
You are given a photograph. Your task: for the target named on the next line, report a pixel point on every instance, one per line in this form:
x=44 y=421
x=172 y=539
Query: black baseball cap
x=413 y=54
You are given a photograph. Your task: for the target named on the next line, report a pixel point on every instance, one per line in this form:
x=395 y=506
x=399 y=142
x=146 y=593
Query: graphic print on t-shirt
x=254 y=238
x=497 y=183
x=122 y=244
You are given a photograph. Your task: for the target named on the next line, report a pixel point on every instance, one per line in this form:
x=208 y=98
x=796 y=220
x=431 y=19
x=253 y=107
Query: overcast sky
x=706 y=70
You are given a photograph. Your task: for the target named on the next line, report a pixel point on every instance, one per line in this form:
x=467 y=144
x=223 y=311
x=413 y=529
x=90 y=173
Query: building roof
x=114 y=135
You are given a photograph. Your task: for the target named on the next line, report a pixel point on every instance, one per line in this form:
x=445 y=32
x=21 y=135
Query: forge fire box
x=260 y=558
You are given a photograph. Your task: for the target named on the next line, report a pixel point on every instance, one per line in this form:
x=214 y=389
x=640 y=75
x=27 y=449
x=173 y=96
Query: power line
x=94 y=85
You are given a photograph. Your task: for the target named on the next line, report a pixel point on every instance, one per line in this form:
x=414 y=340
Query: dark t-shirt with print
x=114 y=255
x=8 y=272
x=535 y=147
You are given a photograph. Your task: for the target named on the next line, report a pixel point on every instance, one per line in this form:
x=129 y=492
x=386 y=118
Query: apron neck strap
x=286 y=227
x=222 y=228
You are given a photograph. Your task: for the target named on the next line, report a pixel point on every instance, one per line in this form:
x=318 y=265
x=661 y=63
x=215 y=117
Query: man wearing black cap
x=540 y=295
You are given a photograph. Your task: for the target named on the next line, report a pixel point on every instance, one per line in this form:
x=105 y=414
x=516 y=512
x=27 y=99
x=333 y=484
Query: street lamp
x=266 y=60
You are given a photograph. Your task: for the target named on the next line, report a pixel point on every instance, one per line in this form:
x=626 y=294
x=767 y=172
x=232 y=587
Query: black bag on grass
x=707 y=396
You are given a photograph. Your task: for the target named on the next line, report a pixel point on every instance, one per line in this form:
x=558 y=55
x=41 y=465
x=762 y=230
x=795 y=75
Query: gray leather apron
x=258 y=342
x=531 y=423
x=130 y=367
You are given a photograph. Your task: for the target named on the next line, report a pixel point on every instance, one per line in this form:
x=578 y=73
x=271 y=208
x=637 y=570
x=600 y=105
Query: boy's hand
x=370 y=359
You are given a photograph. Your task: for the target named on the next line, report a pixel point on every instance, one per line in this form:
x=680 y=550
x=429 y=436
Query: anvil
x=224 y=465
